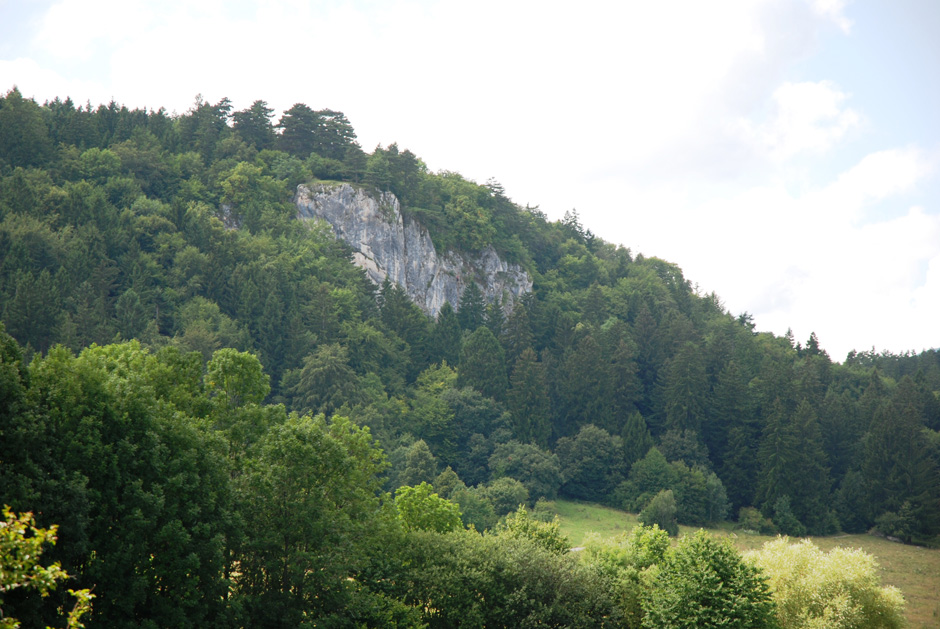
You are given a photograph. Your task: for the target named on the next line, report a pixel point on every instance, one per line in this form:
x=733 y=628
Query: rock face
x=388 y=245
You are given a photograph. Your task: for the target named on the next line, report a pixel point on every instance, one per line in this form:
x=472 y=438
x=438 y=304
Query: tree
x=591 y=463
x=421 y=509
x=686 y=390
x=483 y=365
x=838 y=589
x=505 y=494
x=420 y=465
x=472 y=310
x=535 y=468
x=299 y=126
x=896 y=465
x=637 y=440
x=528 y=400
x=24 y=136
x=235 y=378
x=310 y=504
x=704 y=583
x=254 y=125
x=324 y=383
x=21 y=547
x=661 y=512
x=584 y=387
x=517 y=335
x=446 y=337
x=647 y=477
x=547 y=535
x=495 y=318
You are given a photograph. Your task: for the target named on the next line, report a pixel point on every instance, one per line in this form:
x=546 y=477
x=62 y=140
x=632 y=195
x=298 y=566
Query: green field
x=914 y=570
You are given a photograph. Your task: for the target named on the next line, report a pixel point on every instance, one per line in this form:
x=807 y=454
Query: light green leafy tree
x=835 y=590
x=21 y=546
x=419 y=508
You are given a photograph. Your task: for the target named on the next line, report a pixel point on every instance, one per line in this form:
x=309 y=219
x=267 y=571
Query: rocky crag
x=387 y=244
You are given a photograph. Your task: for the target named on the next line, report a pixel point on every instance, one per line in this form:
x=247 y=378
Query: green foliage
x=21 y=547
x=310 y=499
x=546 y=535
x=539 y=471
x=704 y=582
x=591 y=463
x=505 y=494
x=837 y=589
x=483 y=364
x=661 y=512
x=421 y=509
x=176 y=232
x=236 y=378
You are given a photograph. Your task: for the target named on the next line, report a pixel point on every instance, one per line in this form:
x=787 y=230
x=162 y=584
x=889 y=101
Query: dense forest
x=231 y=426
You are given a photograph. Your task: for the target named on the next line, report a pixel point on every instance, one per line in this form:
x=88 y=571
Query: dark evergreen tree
x=446 y=337
x=24 y=136
x=299 y=127
x=482 y=364
x=528 y=401
x=472 y=311
x=896 y=463
x=518 y=333
x=254 y=125
x=685 y=392
x=637 y=440
x=494 y=317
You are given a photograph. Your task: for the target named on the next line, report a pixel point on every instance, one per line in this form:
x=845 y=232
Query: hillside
x=153 y=268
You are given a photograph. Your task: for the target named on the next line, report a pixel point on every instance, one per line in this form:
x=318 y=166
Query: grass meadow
x=912 y=569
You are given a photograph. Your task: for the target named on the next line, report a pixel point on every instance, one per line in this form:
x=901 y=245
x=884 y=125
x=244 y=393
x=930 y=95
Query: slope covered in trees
x=241 y=359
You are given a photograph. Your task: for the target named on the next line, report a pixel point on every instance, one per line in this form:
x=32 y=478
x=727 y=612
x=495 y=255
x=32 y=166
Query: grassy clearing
x=913 y=570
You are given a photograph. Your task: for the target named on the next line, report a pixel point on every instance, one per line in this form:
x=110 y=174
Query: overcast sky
x=785 y=154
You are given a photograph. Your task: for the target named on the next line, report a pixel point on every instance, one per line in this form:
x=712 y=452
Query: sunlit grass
x=913 y=570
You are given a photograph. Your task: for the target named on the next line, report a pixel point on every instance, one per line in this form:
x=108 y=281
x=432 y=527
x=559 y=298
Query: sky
x=784 y=153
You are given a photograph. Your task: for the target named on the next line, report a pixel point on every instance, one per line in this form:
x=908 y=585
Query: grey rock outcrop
x=386 y=244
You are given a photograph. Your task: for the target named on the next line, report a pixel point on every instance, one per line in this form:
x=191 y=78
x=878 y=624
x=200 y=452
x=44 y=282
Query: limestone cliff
x=387 y=244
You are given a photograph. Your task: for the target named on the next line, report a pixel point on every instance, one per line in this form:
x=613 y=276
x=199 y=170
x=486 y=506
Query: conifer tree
x=472 y=311
x=686 y=390
x=518 y=334
x=482 y=364
x=529 y=402
x=446 y=337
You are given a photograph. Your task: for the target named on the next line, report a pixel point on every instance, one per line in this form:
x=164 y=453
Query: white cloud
x=72 y=29
x=807 y=116
x=833 y=10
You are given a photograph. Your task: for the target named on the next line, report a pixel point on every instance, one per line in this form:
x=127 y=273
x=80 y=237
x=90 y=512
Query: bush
x=661 y=511
x=836 y=590
x=505 y=494
x=750 y=519
x=704 y=583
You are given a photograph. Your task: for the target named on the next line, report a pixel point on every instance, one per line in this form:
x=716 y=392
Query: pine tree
x=518 y=334
x=472 y=312
x=686 y=390
x=446 y=337
x=483 y=365
x=529 y=402
x=637 y=440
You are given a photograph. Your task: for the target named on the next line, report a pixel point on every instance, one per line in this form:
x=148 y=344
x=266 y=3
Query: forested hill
x=159 y=296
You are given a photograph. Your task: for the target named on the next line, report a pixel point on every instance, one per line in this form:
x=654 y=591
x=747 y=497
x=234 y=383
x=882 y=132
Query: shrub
x=839 y=589
x=704 y=583
x=661 y=511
